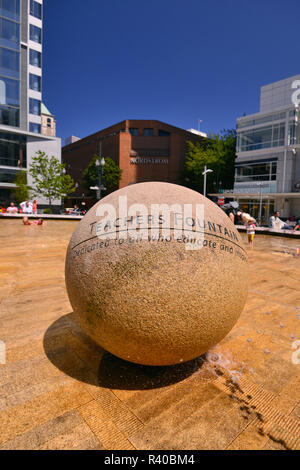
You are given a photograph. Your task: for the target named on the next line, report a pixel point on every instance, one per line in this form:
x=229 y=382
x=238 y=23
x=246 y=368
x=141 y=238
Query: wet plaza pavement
x=58 y=390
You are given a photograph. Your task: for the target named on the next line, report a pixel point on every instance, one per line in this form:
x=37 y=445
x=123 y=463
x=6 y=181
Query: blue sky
x=172 y=60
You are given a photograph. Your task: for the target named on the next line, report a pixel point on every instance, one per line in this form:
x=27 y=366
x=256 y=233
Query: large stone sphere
x=154 y=297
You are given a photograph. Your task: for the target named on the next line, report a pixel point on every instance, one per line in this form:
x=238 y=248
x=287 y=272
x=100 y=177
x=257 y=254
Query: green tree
x=49 y=178
x=218 y=154
x=111 y=175
x=22 y=190
x=90 y=175
x=225 y=148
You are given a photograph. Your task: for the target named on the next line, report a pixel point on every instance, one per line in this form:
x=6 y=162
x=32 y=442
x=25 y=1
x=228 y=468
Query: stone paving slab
x=59 y=390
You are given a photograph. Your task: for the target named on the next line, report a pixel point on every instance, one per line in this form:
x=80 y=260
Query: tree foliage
x=49 y=179
x=22 y=190
x=218 y=154
x=111 y=175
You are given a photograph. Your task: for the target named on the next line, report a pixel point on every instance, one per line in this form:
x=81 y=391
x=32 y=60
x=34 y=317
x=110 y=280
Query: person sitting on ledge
x=276 y=223
x=76 y=210
x=26 y=207
x=297 y=226
x=12 y=209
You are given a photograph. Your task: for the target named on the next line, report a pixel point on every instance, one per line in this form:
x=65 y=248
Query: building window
x=162 y=133
x=9 y=92
x=12 y=150
x=35 y=9
x=134 y=131
x=9 y=34
x=8 y=176
x=265 y=137
x=34 y=82
x=34 y=127
x=35 y=34
x=34 y=107
x=9 y=63
x=148 y=131
x=49 y=122
x=9 y=116
x=256 y=172
x=35 y=58
x=10 y=9
x=261 y=120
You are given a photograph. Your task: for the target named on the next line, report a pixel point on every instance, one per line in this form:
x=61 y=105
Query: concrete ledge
x=270 y=231
x=42 y=216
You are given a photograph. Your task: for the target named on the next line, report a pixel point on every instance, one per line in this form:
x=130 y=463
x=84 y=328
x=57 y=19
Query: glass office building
x=10 y=62
x=268 y=152
x=21 y=38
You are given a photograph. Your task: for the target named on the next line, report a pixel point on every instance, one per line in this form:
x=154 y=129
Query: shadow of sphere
x=78 y=356
x=116 y=373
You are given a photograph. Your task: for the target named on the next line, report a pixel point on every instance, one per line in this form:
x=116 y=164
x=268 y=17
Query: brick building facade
x=145 y=150
x=48 y=122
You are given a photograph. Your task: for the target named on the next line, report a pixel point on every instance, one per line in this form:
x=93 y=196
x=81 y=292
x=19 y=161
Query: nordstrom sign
x=137 y=160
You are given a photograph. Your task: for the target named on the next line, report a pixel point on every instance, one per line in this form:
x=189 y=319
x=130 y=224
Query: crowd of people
x=276 y=223
x=26 y=207
x=232 y=209
x=29 y=208
x=237 y=216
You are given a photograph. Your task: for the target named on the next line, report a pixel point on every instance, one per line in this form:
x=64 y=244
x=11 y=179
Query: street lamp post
x=206 y=170
x=76 y=188
x=100 y=167
x=63 y=195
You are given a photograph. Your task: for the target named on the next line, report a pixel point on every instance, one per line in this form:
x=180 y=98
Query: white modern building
x=21 y=33
x=267 y=170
